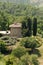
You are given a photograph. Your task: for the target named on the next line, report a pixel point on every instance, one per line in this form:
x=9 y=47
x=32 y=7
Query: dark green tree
x=3 y=48
x=29 y=27
x=3 y=21
x=24 y=25
x=35 y=26
x=24 y=28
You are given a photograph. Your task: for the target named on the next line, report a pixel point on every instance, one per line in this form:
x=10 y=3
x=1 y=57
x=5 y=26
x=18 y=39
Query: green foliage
x=10 y=12
x=29 y=26
x=29 y=60
x=26 y=59
x=2 y=47
x=42 y=34
x=24 y=28
x=8 y=40
x=1 y=56
x=35 y=26
x=24 y=32
x=3 y=21
x=5 y=38
x=18 y=52
x=24 y=25
x=31 y=42
x=9 y=62
x=34 y=60
x=13 y=60
x=40 y=27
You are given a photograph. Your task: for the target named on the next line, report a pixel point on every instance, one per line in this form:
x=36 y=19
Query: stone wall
x=16 y=32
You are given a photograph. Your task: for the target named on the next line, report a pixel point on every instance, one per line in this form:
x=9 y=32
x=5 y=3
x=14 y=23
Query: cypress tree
x=23 y=25
x=24 y=28
x=29 y=26
x=35 y=26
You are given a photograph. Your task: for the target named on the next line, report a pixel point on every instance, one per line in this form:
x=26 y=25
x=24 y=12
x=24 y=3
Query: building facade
x=15 y=30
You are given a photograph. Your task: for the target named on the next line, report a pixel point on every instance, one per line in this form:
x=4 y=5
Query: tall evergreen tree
x=24 y=25
x=24 y=28
x=29 y=27
x=35 y=26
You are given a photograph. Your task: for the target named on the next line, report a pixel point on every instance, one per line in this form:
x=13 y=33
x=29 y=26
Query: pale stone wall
x=16 y=32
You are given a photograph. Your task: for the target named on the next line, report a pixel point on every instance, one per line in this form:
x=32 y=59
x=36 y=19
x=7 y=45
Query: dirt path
x=41 y=58
x=40 y=61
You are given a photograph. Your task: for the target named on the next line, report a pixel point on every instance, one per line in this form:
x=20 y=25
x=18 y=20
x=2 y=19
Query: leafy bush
x=8 y=40
x=2 y=47
x=29 y=60
x=9 y=62
x=1 y=56
x=26 y=59
x=5 y=38
x=18 y=52
x=12 y=60
x=42 y=34
x=31 y=42
x=24 y=32
x=34 y=60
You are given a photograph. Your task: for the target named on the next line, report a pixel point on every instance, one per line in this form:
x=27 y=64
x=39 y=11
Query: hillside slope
x=40 y=2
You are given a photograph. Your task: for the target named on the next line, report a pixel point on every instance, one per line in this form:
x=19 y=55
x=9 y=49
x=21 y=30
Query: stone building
x=15 y=30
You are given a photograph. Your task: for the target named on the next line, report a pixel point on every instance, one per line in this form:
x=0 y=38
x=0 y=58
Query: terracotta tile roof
x=15 y=25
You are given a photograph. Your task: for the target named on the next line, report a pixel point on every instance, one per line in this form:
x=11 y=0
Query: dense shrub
x=5 y=38
x=34 y=60
x=24 y=32
x=2 y=47
x=12 y=60
x=18 y=52
x=29 y=60
x=31 y=42
x=9 y=62
x=42 y=34
x=1 y=56
x=8 y=40
x=26 y=59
